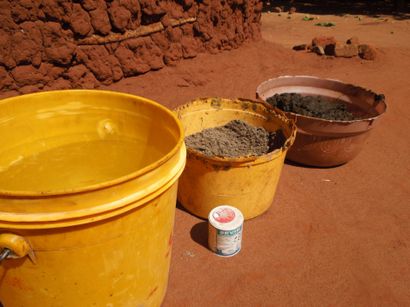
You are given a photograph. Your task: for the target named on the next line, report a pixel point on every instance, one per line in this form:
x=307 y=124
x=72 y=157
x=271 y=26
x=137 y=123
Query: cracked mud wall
x=60 y=44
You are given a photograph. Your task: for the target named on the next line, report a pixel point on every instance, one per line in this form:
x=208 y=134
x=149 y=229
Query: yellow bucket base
x=121 y=261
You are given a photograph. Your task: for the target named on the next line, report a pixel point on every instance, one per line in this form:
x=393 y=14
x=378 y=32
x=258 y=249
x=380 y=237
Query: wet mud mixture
x=314 y=106
x=236 y=139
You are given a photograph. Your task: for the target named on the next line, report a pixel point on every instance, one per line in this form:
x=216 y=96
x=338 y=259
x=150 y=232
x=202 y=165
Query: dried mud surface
x=47 y=45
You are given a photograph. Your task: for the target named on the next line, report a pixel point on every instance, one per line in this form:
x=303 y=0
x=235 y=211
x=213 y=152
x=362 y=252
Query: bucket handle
x=4 y=254
x=13 y=246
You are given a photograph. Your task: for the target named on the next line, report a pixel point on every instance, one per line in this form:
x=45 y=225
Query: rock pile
x=329 y=46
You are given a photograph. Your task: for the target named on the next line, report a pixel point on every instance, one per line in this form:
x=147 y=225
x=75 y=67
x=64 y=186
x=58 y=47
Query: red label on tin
x=224 y=215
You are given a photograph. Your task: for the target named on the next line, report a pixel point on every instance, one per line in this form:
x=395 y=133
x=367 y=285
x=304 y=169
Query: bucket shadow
x=199 y=233
x=180 y=207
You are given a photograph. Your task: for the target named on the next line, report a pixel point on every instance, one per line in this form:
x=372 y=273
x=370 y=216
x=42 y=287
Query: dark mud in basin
x=314 y=106
x=235 y=139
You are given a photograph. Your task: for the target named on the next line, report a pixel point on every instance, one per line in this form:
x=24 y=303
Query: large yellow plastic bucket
x=247 y=183
x=88 y=183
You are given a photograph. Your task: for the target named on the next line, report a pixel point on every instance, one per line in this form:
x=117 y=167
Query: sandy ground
x=333 y=237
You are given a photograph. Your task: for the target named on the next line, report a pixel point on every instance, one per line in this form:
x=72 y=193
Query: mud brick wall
x=60 y=44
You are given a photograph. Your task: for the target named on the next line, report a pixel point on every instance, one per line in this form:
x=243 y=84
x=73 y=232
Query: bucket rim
x=244 y=160
x=104 y=184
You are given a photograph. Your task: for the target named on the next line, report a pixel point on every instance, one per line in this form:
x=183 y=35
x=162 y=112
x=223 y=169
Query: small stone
x=318 y=50
x=292 y=10
x=353 y=41
x=277 y=9
x=345 y=50
x=367 y=52
x=300 y=47
x=326 y=43
x=323 y=41
x=330 y=49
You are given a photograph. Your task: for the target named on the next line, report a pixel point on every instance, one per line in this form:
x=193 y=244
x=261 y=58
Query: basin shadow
x=288 y=162
x=199 y=233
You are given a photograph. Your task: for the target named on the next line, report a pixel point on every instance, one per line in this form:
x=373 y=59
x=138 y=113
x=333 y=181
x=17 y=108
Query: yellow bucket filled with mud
x=247 y=182
x=88 y=185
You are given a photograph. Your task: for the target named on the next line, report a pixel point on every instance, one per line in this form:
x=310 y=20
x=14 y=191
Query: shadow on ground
x=374 y=8
x=292 y=163
x=199 y=233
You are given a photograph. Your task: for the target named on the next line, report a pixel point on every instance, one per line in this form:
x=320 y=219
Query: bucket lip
x=322 y=120
x=244 y=159
x=104 y=184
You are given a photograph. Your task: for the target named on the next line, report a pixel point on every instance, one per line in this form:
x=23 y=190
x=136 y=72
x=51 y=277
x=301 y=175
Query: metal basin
x=321 y=142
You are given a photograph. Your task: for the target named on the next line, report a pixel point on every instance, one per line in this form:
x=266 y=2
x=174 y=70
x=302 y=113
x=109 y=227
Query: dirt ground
x=333 y=237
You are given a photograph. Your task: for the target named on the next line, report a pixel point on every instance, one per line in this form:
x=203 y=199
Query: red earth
x=332 y=237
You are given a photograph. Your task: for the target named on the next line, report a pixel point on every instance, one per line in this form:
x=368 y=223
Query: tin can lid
x=225 y=217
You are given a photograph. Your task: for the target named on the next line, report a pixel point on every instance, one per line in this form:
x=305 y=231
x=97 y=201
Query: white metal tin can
x=225 y=230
